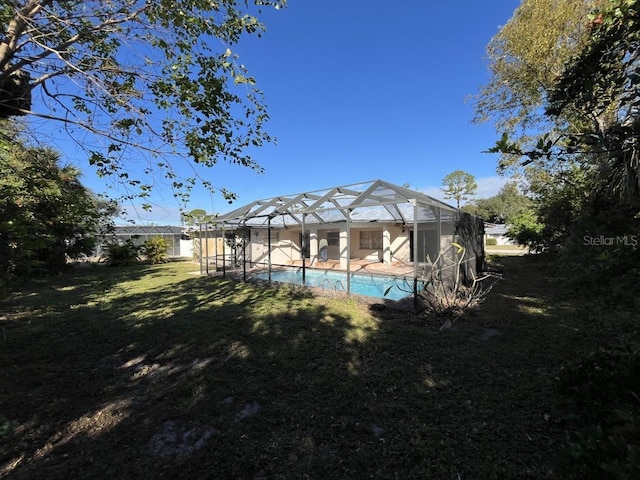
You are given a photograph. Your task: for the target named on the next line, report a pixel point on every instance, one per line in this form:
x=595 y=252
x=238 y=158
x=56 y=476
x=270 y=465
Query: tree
x=459 y=185
x=584 y=174
x=501 y=208
x=585 y=170
x=46 y=215
x=196 y=217
x=594 y=102
x=526 y=58
x=599 y=88
x=157 y=78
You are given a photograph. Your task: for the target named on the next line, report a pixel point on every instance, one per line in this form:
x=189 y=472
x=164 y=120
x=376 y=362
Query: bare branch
x=16 y=28
x=47 y=51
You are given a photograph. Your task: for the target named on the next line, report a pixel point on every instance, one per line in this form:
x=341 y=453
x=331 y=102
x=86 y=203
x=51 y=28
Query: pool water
x=368 y=285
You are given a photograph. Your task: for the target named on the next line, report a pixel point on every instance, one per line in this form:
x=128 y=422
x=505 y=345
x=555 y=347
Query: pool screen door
x=427 y=245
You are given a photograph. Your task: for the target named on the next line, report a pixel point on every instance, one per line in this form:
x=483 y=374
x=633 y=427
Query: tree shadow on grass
x=91 y=385
x=209 y=378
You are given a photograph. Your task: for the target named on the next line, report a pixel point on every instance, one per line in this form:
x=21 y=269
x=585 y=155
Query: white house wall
x=186 y=248
x=369 y=254
x=399 y=251
x=395 y=248
x=283 y=252
x=258 y=247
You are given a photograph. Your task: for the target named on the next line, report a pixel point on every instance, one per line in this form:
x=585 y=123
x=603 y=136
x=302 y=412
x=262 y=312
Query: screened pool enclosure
x=374 y=227
x=178 y=243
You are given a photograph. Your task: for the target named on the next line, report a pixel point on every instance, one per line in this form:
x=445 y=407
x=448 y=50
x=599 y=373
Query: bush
x=491 y=242
x=605 y=389
x=448 y=289
x=121 y=255
x=155 y=250
x=527 y=230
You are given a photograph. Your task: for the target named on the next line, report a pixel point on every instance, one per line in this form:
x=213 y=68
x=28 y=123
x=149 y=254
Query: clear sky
x=361 y=90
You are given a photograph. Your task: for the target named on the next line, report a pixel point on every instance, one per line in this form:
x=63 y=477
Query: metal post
x=200 y=246
x=438 y=212
x=244 y=251
x=415 y=254
x=302 y=244
x=269 y=246
x=206 y=247
x=215 y=244
x=224 y=255
x=348 y=252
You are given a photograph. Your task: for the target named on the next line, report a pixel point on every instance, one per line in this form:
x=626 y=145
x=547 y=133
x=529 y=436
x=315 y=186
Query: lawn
x=155 y=372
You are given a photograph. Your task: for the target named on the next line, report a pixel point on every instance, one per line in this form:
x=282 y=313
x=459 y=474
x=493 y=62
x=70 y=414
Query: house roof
x=147 y=230
x=372 y=201
x=495 y=228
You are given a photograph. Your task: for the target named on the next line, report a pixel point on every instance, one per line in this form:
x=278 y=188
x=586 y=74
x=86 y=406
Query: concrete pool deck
x=359 y=265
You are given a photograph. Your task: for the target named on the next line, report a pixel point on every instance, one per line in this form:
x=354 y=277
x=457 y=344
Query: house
x=375 y=221
x=497 y=231
x=178 y=242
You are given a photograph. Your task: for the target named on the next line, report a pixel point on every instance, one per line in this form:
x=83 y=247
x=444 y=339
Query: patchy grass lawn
x=154 y=372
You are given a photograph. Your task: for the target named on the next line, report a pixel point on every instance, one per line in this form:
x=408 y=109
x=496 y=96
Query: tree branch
x=47 y=51
x=15 y=30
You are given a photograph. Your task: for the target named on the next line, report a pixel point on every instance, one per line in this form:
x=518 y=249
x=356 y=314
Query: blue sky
x=359 y=90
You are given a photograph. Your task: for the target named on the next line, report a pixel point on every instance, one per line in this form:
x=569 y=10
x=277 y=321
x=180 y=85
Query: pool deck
x=361 y=266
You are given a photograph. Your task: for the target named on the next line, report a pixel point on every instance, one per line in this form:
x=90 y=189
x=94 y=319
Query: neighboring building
x=498 y=231
x=179 y=243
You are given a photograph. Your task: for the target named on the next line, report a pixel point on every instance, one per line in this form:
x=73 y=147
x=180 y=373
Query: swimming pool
x=369 y=285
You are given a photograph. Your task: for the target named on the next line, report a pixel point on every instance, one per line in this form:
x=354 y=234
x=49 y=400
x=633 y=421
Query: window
x=371 y=239
x=333 y=238
x=275 y=237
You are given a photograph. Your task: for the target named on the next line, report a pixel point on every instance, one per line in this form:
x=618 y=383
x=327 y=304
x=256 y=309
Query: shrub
x=121 y=255
x=491 y=242
x=605 y=389
x=155 y=250
x=449 y=289
x=527 y=230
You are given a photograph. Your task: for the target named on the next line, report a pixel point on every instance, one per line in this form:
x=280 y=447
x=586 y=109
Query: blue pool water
x=369 y=285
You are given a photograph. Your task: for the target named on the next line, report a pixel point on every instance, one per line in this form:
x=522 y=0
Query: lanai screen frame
x=143 y=233
x=383 y=200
